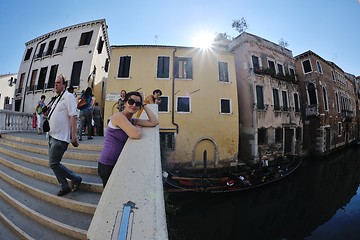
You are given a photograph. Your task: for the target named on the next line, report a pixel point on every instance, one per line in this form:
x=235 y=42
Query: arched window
x=337 y=102
x=325 y=99
x=312 y=94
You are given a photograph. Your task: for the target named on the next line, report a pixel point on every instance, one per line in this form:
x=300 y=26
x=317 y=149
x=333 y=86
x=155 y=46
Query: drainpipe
x=27 y=79
x=173 y=95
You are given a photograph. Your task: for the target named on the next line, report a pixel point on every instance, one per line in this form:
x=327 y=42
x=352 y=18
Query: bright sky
x=329 y=28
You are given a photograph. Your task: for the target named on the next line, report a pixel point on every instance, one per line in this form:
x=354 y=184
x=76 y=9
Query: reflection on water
x=318 y=201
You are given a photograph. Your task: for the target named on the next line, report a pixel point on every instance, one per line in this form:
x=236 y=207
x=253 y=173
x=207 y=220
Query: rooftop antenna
x=156 y=38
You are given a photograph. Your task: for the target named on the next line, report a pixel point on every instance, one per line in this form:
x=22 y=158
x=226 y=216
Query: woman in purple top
x=120 y=127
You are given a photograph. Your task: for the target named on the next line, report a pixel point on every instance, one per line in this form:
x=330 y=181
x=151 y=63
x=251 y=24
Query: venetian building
x=198 y=113
x=329 y=104
x=268 y=96
x=7 y=91
x=80 y=52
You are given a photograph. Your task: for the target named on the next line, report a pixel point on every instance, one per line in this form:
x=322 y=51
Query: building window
x=223 y=72
x=41 y=50
x=85 y=38
x=325 y=99
x=21 y=83
x=52 y=76
x=106 y=67
x=262 y=136
x=167 y=141
x=100 y=45
x=164 y=104
x=61 y=45
x=276 y=99
x=260 y=97
x=50 y=47
x=225 y=106
x=124 y=67
x=332 y=75
x=183 y=68
x=42 y=77
x=163 y=67
x=280 y=69
x=337 y=102
x=339 y=128
x=296 y=102
x=298 y=133
x=306 y=66
x=319 y=66
x=76 y=73
x=285 y=101
x=291 y=71
x=256 y=63
x=278 y=135
x=28 y=54
x=33 y=78
x=183 y=104
x=272 y=66
x=6 y=100
x=312 y=94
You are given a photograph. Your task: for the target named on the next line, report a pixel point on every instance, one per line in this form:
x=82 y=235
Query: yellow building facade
x=198 y=113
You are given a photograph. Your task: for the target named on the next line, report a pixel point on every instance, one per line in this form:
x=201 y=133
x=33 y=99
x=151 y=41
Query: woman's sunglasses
x=132 y=101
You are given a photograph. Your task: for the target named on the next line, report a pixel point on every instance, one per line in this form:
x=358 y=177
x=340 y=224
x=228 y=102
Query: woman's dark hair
x=88 y=92
x=157 y=91
x=43 y=97
x=129 y=94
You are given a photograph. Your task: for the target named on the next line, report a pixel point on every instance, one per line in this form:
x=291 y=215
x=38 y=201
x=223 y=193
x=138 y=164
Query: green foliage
x=240 y=25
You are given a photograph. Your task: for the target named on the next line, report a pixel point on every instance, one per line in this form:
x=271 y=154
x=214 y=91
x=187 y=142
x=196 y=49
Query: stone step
x=47 y=208
x=35 y=139
x=29 y=206
x=45 y=228
x=8 y=230
x=89 y=183
x=71 y=153
x=23 y=226
x=79 y=201
x=78 y=166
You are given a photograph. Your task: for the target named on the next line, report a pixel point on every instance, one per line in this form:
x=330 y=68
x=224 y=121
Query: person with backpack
x=86 y=112
x=39 y=114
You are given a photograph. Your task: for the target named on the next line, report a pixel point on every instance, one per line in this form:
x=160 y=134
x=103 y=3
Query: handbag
x=46 y=125
x=34 y=121
x=82 y=104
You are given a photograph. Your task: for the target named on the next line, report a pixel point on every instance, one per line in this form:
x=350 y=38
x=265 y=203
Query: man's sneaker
x=63 y=191
x=76 y=184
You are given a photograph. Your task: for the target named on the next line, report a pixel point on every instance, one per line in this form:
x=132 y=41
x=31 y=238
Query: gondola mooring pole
x=205 y=163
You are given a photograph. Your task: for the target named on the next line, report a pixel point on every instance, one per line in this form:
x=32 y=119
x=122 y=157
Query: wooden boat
x=232 y=181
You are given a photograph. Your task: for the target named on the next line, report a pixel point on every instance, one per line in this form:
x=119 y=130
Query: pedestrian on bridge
x=62 y=131
x=121 y=127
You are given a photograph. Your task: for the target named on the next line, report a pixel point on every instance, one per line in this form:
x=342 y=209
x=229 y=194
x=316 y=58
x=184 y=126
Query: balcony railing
x=312 y=110
x=269 y=72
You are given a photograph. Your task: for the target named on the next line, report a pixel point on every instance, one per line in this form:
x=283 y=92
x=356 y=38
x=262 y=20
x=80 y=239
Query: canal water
x=321 y=200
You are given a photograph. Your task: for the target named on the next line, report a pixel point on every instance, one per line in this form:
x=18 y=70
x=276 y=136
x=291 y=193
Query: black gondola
x=233 y=181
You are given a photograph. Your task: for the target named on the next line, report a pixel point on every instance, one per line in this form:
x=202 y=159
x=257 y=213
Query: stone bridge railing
x=11 y=121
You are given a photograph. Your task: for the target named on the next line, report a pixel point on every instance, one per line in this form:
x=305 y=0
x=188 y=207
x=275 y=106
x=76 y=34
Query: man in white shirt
x=62 y=123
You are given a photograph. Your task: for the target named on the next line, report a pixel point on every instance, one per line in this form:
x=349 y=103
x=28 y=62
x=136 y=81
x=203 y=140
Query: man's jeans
x=57 y=149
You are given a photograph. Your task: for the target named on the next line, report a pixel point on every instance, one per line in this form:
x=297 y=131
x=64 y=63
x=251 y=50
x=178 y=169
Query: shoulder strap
x=52 y=110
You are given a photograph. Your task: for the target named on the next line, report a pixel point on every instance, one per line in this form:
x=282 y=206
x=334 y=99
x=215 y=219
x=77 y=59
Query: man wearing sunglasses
x=122 y=126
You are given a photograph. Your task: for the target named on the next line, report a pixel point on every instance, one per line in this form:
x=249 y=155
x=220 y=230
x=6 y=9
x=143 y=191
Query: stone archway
x=212 y=153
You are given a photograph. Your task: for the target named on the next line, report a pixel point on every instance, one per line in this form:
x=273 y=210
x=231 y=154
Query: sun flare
x=204 y=40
